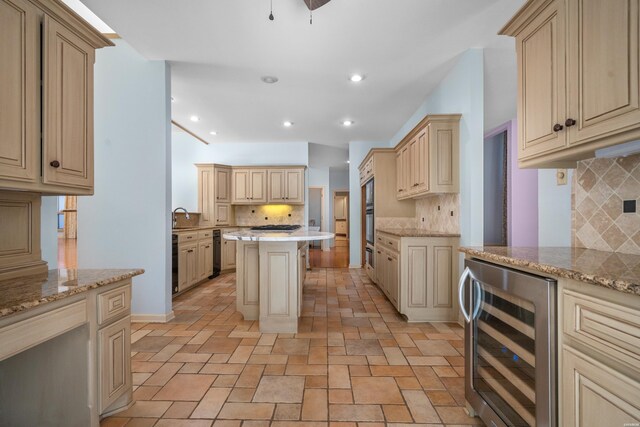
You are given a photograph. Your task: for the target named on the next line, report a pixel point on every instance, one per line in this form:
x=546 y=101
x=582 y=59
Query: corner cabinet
x=418 y=275
x=428 y=158
x=214 y=194
x=47 y=135
x=578 y=78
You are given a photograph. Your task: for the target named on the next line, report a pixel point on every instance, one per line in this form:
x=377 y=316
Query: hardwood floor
x=67 y=253
x=354 y=363
x=337 y=257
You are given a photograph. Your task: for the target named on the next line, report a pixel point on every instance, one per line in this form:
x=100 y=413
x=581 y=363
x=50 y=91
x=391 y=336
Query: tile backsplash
x=402 y=223
x=269 y=214
x=441 y=212
x=600 y=186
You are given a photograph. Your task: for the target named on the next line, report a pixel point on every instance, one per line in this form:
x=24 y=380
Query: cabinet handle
x=190 y=250
x=55 y=164
x=389 y=259
x=225 y=243
x=569 y=122
x=400 y=191
x=380 y=252
x=208 y=246
x=557 y=127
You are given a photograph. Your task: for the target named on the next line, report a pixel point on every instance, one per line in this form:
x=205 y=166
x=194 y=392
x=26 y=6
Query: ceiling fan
x=311 y=4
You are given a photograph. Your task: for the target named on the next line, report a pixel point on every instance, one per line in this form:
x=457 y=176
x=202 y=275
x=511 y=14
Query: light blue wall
x=461 y=91
x=357 y=152
x=186 y=151
x=554 y=209
x=49 y=231
x=127 y=223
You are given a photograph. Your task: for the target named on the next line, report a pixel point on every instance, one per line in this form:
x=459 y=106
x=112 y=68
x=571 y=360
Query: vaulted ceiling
x=220 y=49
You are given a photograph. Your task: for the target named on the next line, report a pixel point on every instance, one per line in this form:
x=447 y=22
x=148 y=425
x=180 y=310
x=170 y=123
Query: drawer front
x=188 y=237
x=205 y=234
x=392 y=243
x=114 y=303
x=611 y=329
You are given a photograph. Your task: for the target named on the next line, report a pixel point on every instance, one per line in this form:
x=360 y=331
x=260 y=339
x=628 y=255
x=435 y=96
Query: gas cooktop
x=279 y=227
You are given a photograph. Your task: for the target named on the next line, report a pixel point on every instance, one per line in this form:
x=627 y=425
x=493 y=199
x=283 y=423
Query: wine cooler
x=510 y=336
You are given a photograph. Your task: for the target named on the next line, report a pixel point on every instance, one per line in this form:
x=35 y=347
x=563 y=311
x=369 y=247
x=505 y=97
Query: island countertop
x=611 y=270
x=24 y=293
x=300 y=235
x=416 y=232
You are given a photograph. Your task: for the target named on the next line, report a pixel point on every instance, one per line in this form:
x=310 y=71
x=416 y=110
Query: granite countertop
x=416 y=232
x=210 y=227
x=28 y=292
x=299 y=235
x=612 y=270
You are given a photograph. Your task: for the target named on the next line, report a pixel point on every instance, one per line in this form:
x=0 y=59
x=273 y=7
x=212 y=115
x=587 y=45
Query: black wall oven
x=369 y=217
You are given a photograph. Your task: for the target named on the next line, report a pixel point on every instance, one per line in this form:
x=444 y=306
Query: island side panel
x=278 y=287
x=248 y=280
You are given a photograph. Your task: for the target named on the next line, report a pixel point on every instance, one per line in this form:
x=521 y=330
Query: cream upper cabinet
x=294 y=179
x=578 y=73
x=241 y=186
x=258 y=186
x=223 y=214
x=223 y=184
x=206 y=186
x=68 y=107
x=46 y=125
x=429 y=158
x=19 y=86
x=277 y=185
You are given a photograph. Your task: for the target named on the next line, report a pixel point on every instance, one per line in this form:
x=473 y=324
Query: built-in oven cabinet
x=599 y=361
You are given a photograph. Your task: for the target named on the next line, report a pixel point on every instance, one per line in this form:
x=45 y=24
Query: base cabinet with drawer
x=599 y=361
x=229 y=248
x=195 y=258
x=418 y=275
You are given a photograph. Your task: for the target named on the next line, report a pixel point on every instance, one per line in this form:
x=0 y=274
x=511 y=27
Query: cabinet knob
x=569 y=122
x=557 y=127
x=190 y=250
x=389 y=259
x=55 y=164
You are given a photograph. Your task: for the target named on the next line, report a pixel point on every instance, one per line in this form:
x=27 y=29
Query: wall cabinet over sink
x=46 y=131
x=428 y=158
x=578 y=78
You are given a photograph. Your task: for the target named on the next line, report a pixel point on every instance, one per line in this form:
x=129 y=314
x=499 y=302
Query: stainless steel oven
x=369 y=227
x=510 y=336
x=369 y=258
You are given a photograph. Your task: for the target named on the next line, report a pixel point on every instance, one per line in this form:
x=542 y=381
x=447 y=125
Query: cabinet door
x=223 y=213
x=541 y=80
x=595 y=395
x=394 y=282
x=417 y=295
x=223 y=185
x=241 y=186
x=414 y=165
x=295 y=185
x=444 y=154
x=19 y=102
x=379 y=268
x=183 y=273
x=602 y=68
x=229 y=254
x=399 y=176
x=205 y=195
x=67 y=107
x=422 y=162
x=406 y=170
x=205 y=259
x=277 y=186
x=192 y=264
x=258 y=184
x=114 y=359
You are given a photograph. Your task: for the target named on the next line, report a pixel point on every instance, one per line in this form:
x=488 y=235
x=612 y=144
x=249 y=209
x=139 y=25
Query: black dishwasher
x=217 y=254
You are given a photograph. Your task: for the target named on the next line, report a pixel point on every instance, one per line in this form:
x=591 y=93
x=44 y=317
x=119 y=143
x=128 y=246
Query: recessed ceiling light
x=347 y=123
x=287 y=124
x=195 y=118
x=213 y=132
x=269 y=79
x=173 y=99
x=356 y=78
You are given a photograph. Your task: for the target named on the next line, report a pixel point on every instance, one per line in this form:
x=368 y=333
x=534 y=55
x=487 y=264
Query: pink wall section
x=522 y=197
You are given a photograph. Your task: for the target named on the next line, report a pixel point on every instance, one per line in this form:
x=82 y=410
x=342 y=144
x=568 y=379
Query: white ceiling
x=219 y=49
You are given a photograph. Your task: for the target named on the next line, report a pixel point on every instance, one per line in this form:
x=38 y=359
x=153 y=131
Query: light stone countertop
x=299 y=235
x=611 y=270
x=24 y=293
x=415 y=232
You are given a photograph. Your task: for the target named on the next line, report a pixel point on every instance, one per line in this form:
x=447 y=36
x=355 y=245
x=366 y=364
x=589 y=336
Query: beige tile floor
x=354 y=363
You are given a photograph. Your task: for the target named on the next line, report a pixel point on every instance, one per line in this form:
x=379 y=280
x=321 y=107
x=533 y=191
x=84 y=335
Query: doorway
x=341 y=215
x=317 y=215
x=67 y=232
x=495 y=189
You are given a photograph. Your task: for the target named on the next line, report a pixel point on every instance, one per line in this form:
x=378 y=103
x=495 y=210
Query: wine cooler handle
x=478 y=299
x=461 y=284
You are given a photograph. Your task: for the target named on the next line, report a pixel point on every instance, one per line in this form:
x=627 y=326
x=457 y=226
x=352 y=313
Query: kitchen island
x=270 y=274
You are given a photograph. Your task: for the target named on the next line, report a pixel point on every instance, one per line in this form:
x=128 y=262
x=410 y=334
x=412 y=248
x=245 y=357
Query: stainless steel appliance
x=510 y=336
x=368 y=194
x=369 y=227
x=369 y=258
x=174 y=263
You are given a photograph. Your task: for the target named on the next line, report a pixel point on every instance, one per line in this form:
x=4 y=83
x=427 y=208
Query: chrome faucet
x=173 y=215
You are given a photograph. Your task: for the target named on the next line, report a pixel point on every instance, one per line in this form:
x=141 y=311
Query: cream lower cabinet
x=115 y=361
x=599 y=361
x=419 y=275
x=205 y=259
x=195 y=258
x=229 y=248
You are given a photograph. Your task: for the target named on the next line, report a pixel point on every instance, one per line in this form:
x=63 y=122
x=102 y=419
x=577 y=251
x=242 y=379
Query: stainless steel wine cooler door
x=510 y=336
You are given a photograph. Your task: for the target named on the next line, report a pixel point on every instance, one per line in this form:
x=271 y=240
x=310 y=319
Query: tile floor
x=354 y=363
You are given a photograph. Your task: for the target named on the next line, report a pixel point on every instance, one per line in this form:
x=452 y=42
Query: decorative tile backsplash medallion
x=437 y=213
x=269 y=214
x=599 y=189
x=402 y=223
